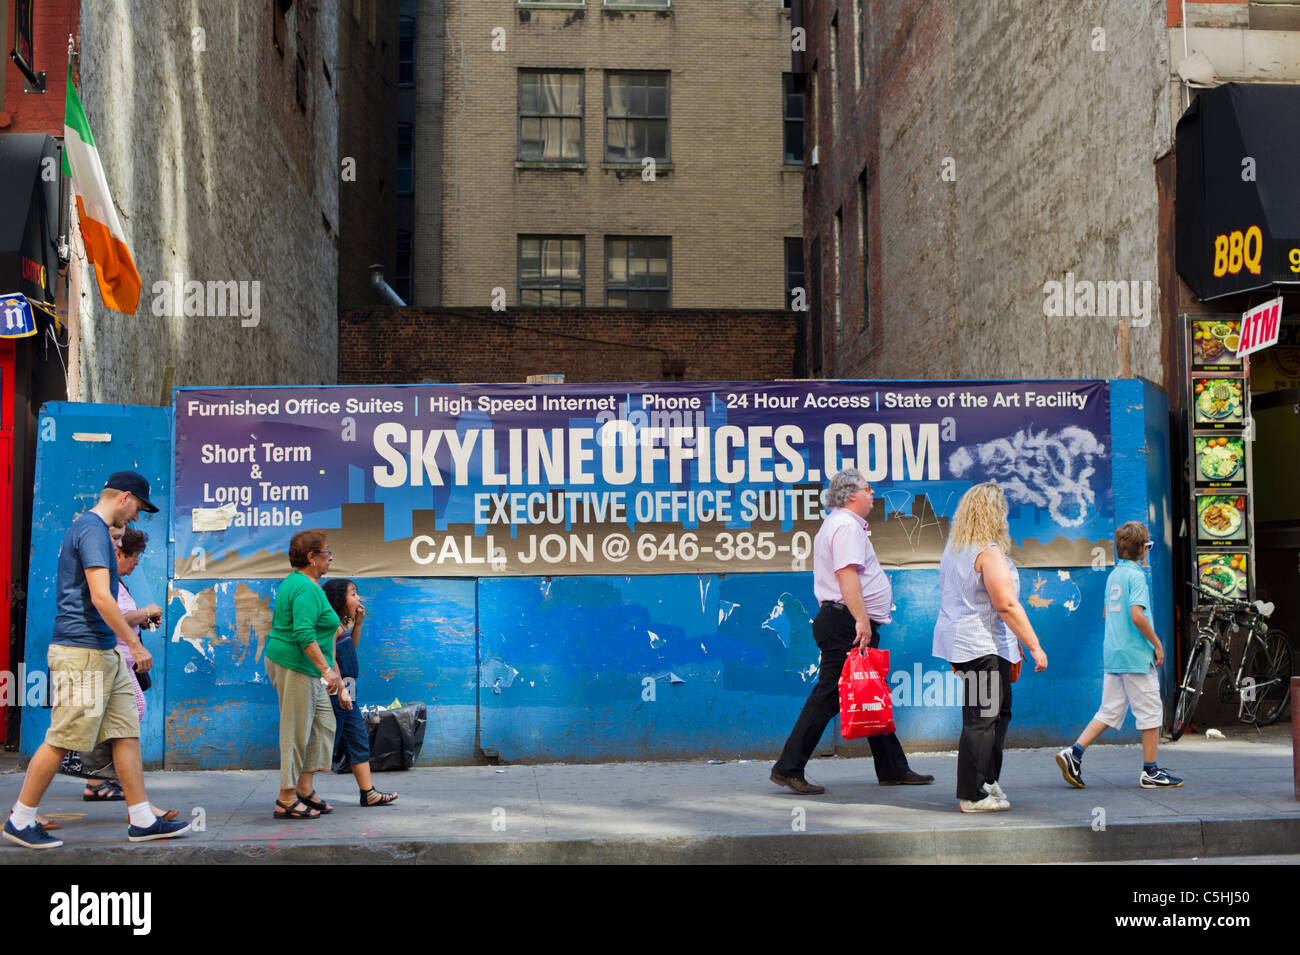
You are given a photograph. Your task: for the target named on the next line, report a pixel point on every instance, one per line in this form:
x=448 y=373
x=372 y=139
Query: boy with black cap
x=91 y=692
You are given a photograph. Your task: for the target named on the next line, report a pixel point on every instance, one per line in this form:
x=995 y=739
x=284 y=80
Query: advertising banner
x=645 y=478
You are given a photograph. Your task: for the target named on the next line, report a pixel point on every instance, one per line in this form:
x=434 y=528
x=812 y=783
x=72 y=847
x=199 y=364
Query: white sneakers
x=995 y=801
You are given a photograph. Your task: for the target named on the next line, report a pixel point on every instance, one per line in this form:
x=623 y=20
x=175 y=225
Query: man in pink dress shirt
x=856 y=599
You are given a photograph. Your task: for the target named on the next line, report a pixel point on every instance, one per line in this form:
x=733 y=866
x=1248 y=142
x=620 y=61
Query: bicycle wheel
x=1270 y=666
x=1221 y=667
x=1189 y=693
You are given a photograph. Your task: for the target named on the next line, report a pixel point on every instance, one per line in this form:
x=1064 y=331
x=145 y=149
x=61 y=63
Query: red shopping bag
x=866 y=708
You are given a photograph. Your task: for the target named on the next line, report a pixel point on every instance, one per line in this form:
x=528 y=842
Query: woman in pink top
x=130 y=544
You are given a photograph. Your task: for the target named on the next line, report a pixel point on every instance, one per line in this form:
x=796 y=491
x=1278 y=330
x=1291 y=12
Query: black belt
x=838 y=605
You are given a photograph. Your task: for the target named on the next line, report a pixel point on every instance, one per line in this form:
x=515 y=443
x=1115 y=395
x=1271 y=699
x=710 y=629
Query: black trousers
x=985 y=716
x=834 y=630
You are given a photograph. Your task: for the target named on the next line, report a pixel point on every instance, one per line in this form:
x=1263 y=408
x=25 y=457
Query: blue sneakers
x=161 y=829
x=1160 y=779
x=33 y=837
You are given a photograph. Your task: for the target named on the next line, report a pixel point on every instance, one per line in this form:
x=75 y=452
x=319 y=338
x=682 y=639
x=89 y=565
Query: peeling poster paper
x=212 y=518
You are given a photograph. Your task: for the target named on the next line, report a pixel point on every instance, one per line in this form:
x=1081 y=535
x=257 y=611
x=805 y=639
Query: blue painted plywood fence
x=78 y=447
x=579 y=668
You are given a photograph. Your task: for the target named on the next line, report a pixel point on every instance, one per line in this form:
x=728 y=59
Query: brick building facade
x=392 y=346
x=531 y=149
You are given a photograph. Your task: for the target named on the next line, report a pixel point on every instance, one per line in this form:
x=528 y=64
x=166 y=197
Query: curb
x=1200 y=838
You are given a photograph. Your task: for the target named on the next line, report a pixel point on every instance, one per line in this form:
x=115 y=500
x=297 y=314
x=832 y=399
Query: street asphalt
x=1238 y=801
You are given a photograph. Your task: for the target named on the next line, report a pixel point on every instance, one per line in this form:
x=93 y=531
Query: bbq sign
x=626 y=478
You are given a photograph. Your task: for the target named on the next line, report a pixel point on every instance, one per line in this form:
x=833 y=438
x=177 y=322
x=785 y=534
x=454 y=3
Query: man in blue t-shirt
x=1131 y=656
x=91 y=692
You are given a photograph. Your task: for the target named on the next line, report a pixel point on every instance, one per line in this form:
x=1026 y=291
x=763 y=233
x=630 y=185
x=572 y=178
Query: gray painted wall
x=1055 y=149
x=216 y=175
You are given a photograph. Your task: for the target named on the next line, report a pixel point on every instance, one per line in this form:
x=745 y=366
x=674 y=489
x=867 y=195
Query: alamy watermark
x=1105 y=299
x=61 y=688
x=211 y=299
x=921 y=687
x=80 y=908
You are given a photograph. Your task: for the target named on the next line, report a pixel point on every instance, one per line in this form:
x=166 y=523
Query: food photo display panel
x=1220 y=520
x=1220 y=461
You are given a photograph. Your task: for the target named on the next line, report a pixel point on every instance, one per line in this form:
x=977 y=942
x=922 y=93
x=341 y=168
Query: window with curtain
x=550 y=270
x=550 y=116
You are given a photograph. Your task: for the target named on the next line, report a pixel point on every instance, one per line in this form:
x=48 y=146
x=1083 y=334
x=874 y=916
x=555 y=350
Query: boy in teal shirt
x=1131 y=655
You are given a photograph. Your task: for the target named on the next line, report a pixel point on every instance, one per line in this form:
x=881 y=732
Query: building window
x=402 y=274
x=552 y=3
x=864 y=240
x=859 y=53
x=837 y=265
x=834 y=91
x=794 y=275
x=638 y=272
x=636 y=116
x=279 y=26
x=792 y=100
x=550 y=270
x=405 y=159
x=550 y=116
x=640 y=4
x=406 y=53
x=814 y=108
x=862 y=43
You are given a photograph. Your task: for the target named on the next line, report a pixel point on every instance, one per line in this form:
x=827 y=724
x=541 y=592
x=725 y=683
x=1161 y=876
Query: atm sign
x=1260 y=327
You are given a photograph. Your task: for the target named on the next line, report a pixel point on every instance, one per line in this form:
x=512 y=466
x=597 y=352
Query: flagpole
x=64 y=250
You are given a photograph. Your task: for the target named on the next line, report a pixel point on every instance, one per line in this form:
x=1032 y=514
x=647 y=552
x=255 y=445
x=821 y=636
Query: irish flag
x=119 y=282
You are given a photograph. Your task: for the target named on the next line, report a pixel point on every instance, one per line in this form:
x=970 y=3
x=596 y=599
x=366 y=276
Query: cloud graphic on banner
x=1046 y=469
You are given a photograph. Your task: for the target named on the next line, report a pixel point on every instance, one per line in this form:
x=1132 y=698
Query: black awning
x=1238 y=191
x=30 y=170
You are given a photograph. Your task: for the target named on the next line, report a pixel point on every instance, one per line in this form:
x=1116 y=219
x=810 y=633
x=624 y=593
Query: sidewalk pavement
x=1238 y=800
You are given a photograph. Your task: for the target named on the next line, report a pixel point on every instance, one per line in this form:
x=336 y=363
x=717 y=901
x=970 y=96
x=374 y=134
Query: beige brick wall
x=726 y=201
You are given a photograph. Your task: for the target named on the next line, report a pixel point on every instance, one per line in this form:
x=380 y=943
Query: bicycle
x=1262 y=682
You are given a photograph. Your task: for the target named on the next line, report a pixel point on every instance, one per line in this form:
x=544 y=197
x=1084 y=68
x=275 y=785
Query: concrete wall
x=589 y=668
x=217 y=174
x=1055 y=148
x=1000 y=152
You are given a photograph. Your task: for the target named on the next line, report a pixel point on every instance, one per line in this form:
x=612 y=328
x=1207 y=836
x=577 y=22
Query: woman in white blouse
x=980 y=621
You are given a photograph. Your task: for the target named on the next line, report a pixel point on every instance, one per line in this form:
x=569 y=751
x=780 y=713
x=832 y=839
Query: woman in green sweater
x=300 y=664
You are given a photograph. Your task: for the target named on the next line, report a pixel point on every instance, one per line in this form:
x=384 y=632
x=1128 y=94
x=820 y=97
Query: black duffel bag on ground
x=396 y=737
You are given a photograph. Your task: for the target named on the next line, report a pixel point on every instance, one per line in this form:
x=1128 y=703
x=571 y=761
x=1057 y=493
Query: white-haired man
x=856 y=598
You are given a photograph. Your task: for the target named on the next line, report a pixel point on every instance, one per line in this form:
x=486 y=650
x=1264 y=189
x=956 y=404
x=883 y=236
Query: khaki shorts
x=92 y=696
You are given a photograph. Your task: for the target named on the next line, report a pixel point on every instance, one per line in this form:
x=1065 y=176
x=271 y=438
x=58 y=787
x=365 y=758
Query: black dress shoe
x=801 y=786
x=908 y=778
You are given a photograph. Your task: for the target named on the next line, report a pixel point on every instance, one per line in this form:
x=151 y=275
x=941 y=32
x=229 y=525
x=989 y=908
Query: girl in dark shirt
x=351 y=742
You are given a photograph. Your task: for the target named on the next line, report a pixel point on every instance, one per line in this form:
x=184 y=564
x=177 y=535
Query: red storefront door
x=6 y=515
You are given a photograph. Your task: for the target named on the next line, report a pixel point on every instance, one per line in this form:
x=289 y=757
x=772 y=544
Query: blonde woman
x=980 y=622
